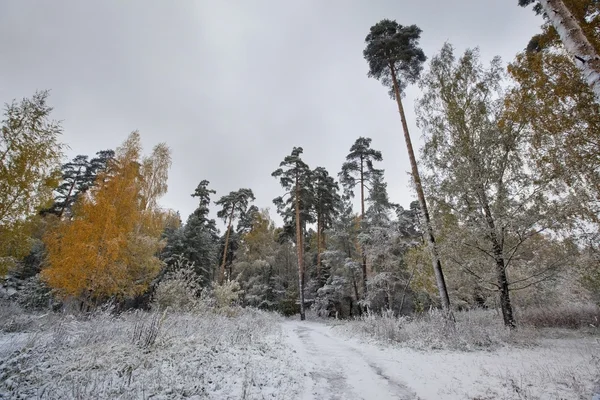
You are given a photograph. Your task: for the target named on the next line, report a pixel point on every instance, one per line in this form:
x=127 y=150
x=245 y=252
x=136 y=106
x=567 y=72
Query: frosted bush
x=475 y=329
x=179 y=290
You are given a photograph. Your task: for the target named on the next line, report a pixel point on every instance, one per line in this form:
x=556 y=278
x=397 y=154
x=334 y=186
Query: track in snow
x=338 y=370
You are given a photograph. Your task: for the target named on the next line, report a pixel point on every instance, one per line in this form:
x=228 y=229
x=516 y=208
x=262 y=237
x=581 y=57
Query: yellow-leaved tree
x=109 y=249
x=30 y=154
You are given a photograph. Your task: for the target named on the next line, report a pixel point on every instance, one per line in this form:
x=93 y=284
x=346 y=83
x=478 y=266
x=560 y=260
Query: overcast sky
x=233 y=86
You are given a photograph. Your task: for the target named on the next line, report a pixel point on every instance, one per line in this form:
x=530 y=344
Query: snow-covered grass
x=475 y=329
x=472 y=330
x=477 y=358
x=140 y=355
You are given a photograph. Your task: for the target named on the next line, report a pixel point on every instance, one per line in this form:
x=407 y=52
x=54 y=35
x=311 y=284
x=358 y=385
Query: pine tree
x=234 y=205
x=359 y=170
x=78 y=176
x=396 y=60
x=296 y=177
x=327 y=206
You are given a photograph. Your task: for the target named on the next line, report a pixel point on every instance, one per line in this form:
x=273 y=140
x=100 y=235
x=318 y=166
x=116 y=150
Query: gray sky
x=233 y=86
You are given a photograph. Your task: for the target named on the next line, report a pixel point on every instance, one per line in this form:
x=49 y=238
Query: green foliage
x=292 y=170
x=392 y=52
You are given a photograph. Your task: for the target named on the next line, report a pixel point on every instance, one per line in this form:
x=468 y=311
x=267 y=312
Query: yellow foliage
x=109 y=247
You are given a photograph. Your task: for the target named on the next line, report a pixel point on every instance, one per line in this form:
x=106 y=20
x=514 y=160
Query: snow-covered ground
x=342 y=367
x=193 y=356
x=257 y=355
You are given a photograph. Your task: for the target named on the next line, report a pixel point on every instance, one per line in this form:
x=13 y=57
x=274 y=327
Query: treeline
x=506 y=214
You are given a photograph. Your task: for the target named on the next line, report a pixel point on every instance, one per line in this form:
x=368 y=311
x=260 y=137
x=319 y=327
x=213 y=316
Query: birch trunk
x=575 y=41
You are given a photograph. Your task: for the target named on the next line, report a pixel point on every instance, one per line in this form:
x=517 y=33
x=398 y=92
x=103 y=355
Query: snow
x=555 y=369
x=197 y=357
x=258 y=355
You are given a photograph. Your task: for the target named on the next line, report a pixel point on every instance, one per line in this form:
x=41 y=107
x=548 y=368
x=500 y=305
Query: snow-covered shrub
x=35 y=294
x=226 y=296
x=475 y=329
x=179 y=290
x=570 y=316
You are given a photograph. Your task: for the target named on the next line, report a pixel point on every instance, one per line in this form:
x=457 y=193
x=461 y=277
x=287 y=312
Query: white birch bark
x=575 y=42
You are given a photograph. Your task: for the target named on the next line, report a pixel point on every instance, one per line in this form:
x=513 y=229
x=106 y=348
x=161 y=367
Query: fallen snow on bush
x=149 y=355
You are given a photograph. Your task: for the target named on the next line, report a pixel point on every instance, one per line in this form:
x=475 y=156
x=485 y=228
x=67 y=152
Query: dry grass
x=572 y=316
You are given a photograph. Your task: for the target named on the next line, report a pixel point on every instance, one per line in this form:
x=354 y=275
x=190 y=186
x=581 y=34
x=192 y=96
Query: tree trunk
x=319 y=249
x=362 y=217
x=300 y=251
x=505 y=304
x=222 y=270
x=435 y=259
x=68 y=197
x=575 y=41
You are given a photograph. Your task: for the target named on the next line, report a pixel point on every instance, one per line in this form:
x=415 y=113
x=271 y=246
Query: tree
x=30 y=154
x=109 y=248
x=573 y=35
x=78 y=176
x=234 y=205
x=200 y=236
x=560 y=111
x=478 y=172
x=359 y=170
x=295 y=177
x=396 y=60
x=327 y=204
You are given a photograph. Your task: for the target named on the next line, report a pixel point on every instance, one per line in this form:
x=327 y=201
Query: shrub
x=179 y=290
x=475 y=329
x=572 y=316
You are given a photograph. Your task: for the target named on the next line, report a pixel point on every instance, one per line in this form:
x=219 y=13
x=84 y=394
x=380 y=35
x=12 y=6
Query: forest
x=505 y=217
x=486 y=285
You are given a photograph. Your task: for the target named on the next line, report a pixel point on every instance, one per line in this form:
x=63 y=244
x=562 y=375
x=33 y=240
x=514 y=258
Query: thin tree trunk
x=68 y=197
x=222 y=270
x=575 y=41
x=362 y=218
x=319 y=249
x=356 y=293
x=505 y=303
x=435 y=259
x=300 y=251
x=406 y=289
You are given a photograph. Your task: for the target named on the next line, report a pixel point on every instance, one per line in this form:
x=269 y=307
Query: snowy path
x=337 y=368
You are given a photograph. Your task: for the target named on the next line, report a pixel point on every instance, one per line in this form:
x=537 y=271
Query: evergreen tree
x=234 y=205
x=201 y=236
x=78 y=176
x=359 y=170
x=396 y=60
x=296 y=177
x=327 y=206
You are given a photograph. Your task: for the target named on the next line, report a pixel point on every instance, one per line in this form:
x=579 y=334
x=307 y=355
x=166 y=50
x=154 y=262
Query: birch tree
x=573 y=36
x=478 y=172
x=30 y=156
